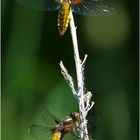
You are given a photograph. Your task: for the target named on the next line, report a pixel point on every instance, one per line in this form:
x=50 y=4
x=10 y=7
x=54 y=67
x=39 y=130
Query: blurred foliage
x=31 y=78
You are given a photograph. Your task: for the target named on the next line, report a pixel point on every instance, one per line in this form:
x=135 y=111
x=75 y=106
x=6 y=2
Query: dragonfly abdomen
x=57 y=135
x=63 y=17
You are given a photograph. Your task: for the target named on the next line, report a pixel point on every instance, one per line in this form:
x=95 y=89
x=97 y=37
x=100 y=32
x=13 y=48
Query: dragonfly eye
x=75 y=1
x=75 y=115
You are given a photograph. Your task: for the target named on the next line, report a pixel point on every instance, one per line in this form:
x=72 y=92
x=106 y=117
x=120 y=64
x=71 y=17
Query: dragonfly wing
x=92 y=8
x=40 y=132
x=48 y=117
x=45 y=5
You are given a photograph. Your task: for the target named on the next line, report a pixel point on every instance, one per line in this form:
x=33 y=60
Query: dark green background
x=31 y=78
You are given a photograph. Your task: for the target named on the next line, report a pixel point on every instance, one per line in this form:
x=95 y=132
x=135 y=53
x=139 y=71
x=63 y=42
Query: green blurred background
x=31 y=78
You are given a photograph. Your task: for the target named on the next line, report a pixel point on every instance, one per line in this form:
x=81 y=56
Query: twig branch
x=68 y=78
x=84 y=99
x=80 y=82
x=84 y=60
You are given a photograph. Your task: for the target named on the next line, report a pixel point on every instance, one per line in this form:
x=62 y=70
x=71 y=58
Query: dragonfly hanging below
x=80 y=7
x=55 y=128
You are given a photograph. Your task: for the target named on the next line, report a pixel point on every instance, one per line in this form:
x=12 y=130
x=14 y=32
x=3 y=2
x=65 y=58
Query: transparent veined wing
x=92 y=8
x=48 y=117
x=45 y=5
x=94 y=124
x=40 y=132
x=76 y=132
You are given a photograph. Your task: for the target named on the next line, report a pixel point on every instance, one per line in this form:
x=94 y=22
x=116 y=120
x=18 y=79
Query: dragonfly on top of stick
x=80 y=7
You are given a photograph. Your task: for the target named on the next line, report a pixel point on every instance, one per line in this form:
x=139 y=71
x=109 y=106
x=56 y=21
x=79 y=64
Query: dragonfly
x=55 y=128
x=80 y=7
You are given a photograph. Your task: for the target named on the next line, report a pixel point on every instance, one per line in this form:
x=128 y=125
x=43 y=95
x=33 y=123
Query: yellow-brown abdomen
x=56 y=135
x=63 y=17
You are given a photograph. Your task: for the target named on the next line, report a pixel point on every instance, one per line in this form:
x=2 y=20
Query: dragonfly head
x=75 y=116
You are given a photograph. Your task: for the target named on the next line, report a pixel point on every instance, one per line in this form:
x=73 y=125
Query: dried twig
x=84 y=99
